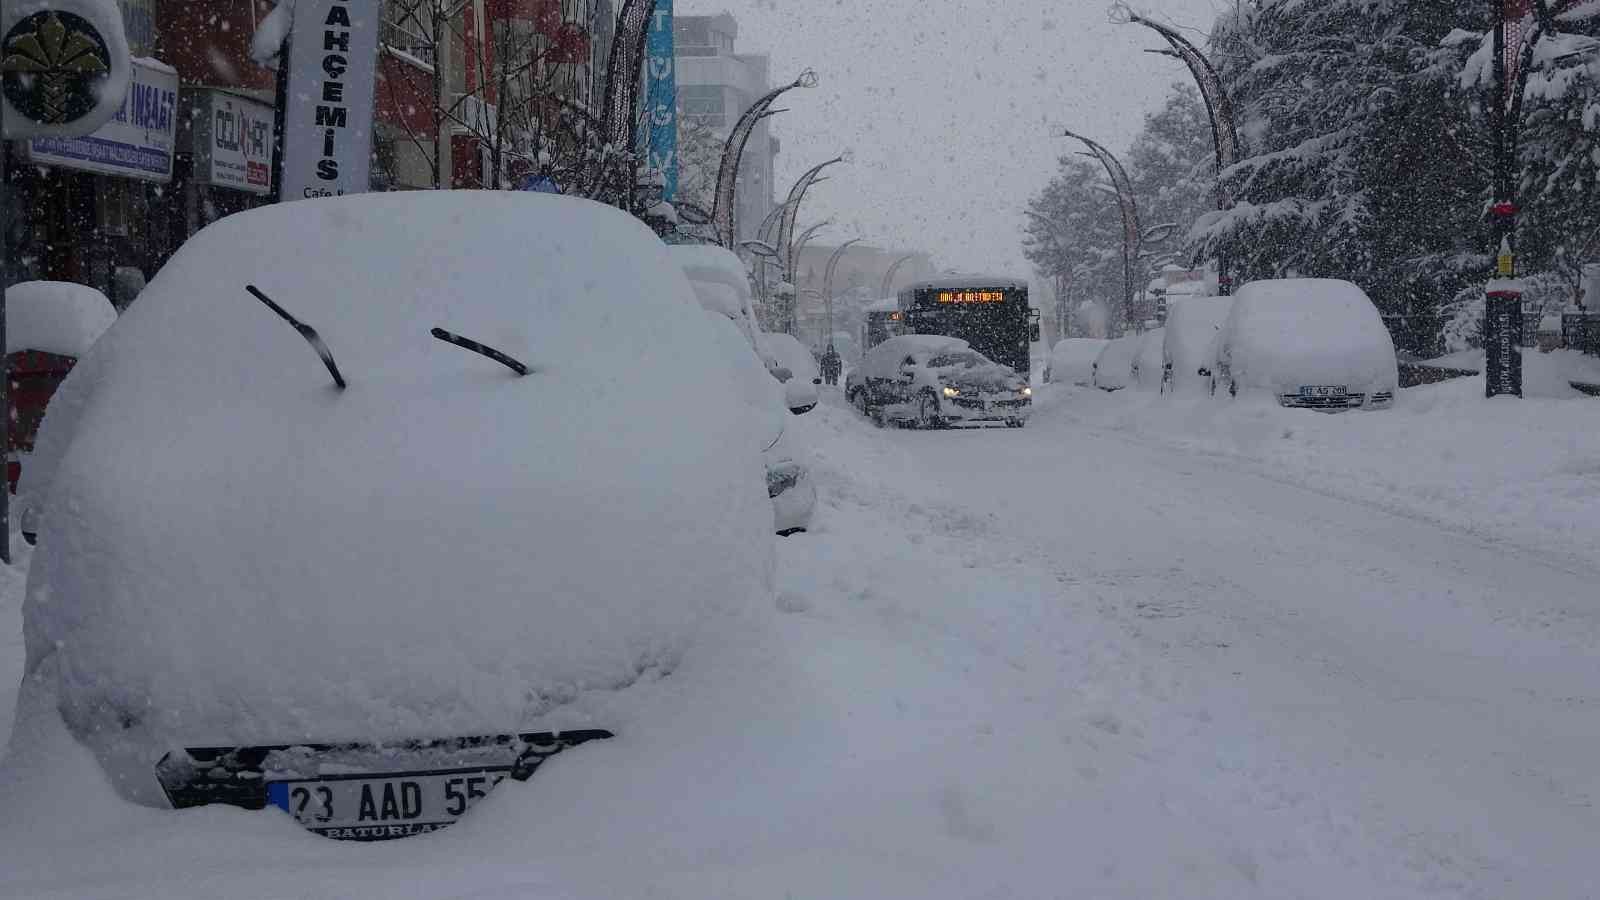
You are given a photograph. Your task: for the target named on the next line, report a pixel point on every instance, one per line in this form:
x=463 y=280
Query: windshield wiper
x=475 y=347
x=306 y=331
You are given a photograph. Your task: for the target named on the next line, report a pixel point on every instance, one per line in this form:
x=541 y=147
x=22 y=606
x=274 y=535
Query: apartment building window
x=703 y=102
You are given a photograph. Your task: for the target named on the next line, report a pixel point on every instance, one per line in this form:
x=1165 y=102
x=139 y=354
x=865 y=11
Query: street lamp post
x=1502 y=314
x=1131 y=232
x=827 y=288
x=1062 y=280
x=722 y=211
x=888 y=277
x=1219 y=108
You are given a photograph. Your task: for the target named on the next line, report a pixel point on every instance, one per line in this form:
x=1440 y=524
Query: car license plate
x=1323 y=390
x=367 y=808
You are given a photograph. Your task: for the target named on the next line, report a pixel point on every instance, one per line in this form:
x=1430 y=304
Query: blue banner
x=661 y=80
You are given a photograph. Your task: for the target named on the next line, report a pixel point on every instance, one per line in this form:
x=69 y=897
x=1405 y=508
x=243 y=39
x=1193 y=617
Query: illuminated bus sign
x=971 y=297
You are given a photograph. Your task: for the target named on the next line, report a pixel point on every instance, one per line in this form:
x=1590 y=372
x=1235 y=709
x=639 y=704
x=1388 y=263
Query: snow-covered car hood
x=992 y=377
x=234 y=551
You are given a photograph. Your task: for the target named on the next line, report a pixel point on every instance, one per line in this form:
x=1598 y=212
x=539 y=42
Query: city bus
x=881 y=321
x=989 y=312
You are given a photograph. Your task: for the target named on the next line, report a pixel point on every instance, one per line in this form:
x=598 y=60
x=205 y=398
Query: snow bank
x=1546 y=374
x=1113 y=368
x=1285 y=333
x=1148 y=363
x=1525 y=471
x=1194 y=327
x=56 y=317
x=1072 y=360
x=234 y=551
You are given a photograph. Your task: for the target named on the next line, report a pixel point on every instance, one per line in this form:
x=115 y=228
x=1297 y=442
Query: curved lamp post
x=791 y=211
x=894 y=269
x=1131 y=232
x=1224 y=133
x=827 y=287
x=1056 y=234
x=722 y=218
x=619 y=126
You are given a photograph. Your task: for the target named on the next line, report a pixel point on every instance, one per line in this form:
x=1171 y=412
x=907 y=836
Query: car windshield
x=752 y=449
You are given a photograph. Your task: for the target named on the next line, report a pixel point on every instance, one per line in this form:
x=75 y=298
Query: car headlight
x=951 y=392
x=1026 y=392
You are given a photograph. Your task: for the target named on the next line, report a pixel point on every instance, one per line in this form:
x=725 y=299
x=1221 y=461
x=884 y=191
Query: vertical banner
x=662 y=98
x=327 y=120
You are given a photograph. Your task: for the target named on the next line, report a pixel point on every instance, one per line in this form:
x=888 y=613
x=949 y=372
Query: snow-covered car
x=1194 y=327
x=720 y=280
x=1113 y=368
x=1314 y=343
x=1148 y=364
x=931 y=381
x=50 y=325
x=794 y=365
x=1072 y=361
x=766 y=386
x=367 y=588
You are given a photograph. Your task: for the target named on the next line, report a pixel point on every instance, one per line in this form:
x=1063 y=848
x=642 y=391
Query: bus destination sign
x=971 y=297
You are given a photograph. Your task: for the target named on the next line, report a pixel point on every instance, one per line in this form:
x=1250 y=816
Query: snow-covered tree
x=1362 y=162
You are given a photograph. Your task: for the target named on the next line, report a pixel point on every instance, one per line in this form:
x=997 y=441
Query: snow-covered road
x=1078 y=660
x=1441 y=691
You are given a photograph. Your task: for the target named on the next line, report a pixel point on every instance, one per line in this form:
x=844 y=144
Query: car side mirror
x=1204 y=372
x=782 y=374
x=816 y=381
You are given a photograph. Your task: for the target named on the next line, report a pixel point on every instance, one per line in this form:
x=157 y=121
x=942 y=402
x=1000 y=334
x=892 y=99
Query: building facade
x=715 y=86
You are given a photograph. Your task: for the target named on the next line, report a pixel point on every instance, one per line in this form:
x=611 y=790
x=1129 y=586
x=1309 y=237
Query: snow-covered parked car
x=1194 y=327
x=1072 y=361
x=50 y=325
x=1308 y=342
x=1148 y=363
x=718 y=281
x=794 y=366
x=932 y=381
x=367 y=588
x=1113 y=368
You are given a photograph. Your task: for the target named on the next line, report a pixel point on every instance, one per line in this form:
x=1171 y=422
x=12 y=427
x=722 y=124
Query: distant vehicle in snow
x=933 y=381
x=881 y=321
x=1148 y=365
x=766 y=383
x=355 y=588
x=1189 y=353
x=1072 y=361
x=793 y=362
x=989 y=312
x=1113 y=368
x=720 y=280
x=1312 y=343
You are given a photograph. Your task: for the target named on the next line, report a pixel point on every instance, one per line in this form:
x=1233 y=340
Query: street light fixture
x=722 y=212
x=1132 y=234
x=1219 y=108
x=1502 y=318
x=827 y=286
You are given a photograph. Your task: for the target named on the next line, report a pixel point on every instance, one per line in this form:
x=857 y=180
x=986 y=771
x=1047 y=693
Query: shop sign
x=333 y=71
x=138 y=142
x=232 y=142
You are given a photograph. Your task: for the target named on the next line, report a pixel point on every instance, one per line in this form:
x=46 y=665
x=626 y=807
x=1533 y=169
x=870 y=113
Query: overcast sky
x=953 y=109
